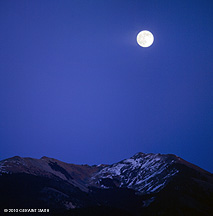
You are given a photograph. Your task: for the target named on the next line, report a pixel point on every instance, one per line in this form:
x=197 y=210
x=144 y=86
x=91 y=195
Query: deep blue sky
x=74 y=84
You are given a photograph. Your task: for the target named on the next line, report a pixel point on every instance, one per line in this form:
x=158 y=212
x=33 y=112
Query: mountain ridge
x=138 y=153
x=146 y=177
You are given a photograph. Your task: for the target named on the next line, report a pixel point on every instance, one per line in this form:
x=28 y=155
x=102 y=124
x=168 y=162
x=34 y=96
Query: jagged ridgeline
x=145 y=184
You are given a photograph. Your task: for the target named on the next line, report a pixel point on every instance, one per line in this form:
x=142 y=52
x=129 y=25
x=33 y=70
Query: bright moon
x=145 y=38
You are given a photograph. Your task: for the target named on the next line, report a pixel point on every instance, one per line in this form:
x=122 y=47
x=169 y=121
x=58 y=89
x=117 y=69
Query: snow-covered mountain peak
x=146 y=173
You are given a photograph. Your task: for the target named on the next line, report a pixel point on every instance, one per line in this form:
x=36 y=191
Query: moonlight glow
x=145 y=38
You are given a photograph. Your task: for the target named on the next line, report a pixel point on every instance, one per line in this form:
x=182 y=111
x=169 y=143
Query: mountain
x=145 y=184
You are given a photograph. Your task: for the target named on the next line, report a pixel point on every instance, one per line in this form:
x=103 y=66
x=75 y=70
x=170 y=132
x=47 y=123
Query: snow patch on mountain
x=146 y=203
x=3 y=167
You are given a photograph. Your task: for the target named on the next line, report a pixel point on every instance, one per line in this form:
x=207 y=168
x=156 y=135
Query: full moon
x=145 y=38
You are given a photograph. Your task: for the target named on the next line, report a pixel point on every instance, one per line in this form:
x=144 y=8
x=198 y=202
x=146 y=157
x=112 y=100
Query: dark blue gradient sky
x=74 y=84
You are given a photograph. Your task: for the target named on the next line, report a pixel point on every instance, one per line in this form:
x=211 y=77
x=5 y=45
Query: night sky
x=76 y=86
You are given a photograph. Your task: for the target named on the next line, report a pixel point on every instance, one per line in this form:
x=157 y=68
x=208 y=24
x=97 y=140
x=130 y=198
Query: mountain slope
x=145 y=173
x=145 y=184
